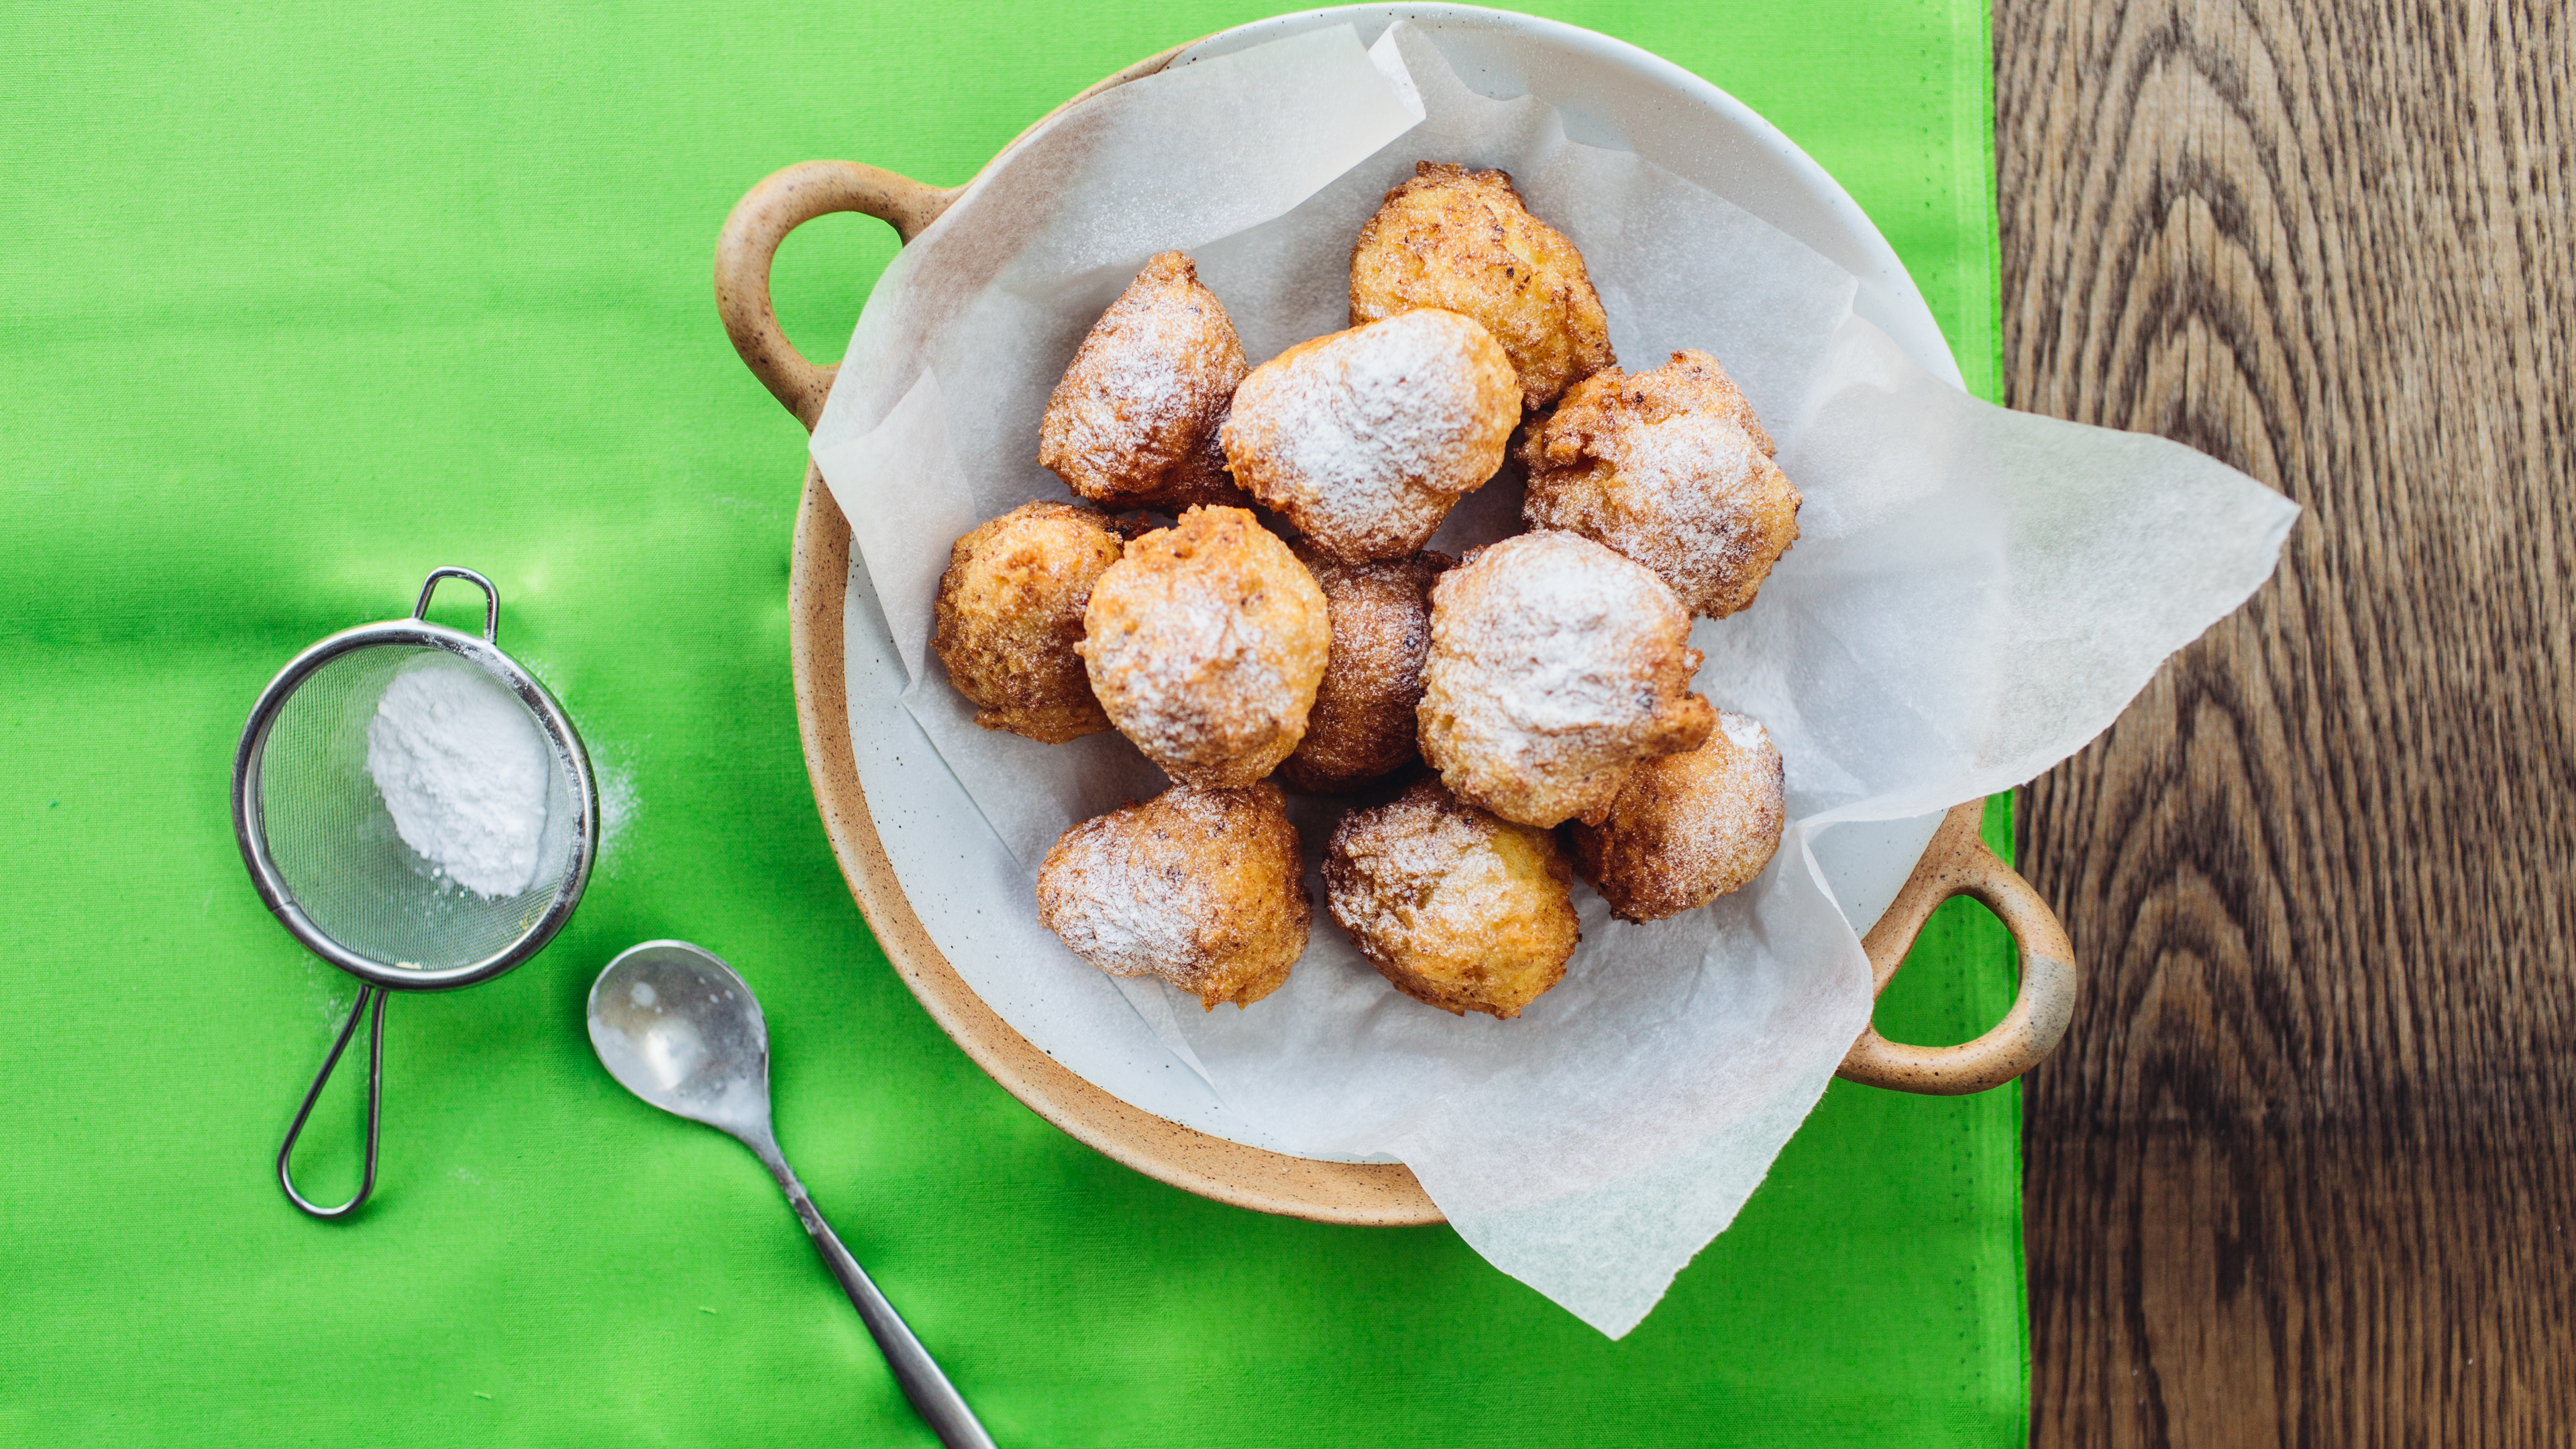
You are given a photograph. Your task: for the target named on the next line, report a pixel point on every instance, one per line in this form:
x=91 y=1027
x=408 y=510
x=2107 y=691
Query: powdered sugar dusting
x=1719 y=813
x=1196 y=637
x=1205 y=644
x=1129 y=919
x=1671 y=469
x=1363 y=439
x=1202 y=888
x=1456 y=907
x=1138 y=381
x=1134 y=417
x=1561 y=638
x=1555 y=665
x=1694 y=499
x=1691 y=827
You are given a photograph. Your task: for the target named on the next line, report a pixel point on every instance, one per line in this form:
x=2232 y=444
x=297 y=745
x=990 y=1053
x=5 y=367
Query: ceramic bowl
x=1129 y=1098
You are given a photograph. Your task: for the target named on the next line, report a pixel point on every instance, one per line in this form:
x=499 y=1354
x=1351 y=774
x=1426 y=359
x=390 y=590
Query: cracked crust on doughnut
x=1463 y=241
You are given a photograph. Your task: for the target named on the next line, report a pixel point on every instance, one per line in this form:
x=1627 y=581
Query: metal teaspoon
x=679 y=1029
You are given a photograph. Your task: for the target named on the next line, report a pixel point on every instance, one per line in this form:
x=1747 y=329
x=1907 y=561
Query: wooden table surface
x=2304 y=1171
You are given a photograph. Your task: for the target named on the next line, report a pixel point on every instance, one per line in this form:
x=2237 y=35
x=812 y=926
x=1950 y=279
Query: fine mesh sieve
x=323 y=849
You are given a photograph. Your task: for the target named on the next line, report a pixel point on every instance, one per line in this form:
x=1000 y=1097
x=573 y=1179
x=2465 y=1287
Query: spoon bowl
x=675 y=1026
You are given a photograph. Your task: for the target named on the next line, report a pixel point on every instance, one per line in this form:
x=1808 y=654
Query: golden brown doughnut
x=1461 y=240
x=1363 y=439
x=1669 y=468
x=1689 y=828
x=1133 y=423
x=1363 y=725
x=1010 y=613
x=1204 y=644
x=1203 y=888
x=1556 y=666
x=1454 y=905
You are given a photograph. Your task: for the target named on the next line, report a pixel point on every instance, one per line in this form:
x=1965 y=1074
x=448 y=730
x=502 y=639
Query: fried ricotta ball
x=1204 y=644
x=1363 y=439
x=1454 y=905
x=1669 y=468
x=1133 y=423
x=1461 y=240
x=1203 y=888
x=1010 y=615
x=1363 y=721
x=1556 y=667
x=1689 y=828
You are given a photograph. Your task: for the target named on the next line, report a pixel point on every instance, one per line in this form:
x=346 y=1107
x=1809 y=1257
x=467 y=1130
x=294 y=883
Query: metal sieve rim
x=249 y=825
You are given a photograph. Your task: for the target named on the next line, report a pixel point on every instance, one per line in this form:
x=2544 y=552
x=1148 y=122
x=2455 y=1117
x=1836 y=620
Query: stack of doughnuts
x=1505 y=720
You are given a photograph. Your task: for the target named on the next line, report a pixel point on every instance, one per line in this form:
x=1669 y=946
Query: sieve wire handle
x=491 y=596
x=367 y=995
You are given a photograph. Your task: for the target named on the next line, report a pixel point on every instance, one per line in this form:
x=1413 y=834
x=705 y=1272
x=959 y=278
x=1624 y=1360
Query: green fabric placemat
x=299 y=300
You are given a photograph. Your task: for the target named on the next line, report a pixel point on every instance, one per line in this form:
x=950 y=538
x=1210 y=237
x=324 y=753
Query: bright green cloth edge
x=186 y=506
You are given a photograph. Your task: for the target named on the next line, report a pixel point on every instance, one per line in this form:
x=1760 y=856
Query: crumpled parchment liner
x=1974 y=595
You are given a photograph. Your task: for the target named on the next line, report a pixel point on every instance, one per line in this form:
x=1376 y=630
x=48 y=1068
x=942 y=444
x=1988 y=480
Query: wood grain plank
x=2305 y=1169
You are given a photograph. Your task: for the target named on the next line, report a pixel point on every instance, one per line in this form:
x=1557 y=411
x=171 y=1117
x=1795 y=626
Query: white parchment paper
x=1975 y=593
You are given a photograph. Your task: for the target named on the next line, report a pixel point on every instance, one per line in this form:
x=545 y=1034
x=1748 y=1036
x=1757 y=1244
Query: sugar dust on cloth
x=463 y=771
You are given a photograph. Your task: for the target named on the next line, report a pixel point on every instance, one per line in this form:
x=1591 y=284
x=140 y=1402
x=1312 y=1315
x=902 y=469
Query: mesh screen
x=333 y=841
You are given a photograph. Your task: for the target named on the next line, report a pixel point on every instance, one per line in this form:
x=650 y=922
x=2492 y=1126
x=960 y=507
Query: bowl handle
x=1957 y=863
x=781 y=203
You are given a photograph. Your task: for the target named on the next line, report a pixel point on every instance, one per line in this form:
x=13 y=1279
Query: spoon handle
x=932 y=1396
